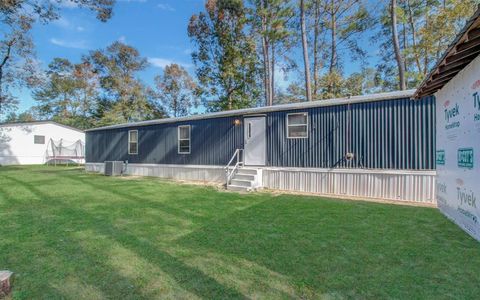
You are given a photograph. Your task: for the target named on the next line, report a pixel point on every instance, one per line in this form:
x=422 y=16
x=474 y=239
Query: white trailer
x=40 y=142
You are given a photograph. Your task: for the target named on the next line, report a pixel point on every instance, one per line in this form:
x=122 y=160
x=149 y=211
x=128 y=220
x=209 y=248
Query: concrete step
x=245 y=171
x=244 y=177
x=240 y=182
x=238 y=188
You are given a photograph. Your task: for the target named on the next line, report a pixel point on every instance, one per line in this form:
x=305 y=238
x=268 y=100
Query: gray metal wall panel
x=393 y=134
x=389 y=134
x=213 y=142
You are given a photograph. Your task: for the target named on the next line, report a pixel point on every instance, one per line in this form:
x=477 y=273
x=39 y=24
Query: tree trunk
x=272 y=76
x=266 y=70
x=333 y=57
x=2 y=65
x=396 y=46
x=405 y=46
x=266 y=59
x=5 y=283
x=175 y=107
x=333 y=50
x=230 y=100
x=316 y=59
x=414 y=36
x=306 y=62
x=425 y=58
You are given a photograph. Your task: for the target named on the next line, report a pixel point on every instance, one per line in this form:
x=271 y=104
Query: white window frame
x=129 y=142
x=297 y=125
x=189 y=139
x=37 y=135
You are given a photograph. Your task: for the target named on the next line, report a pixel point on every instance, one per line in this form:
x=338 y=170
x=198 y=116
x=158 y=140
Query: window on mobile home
x=133 y=142
x=39 y=139
x=184 y=139
x=297 y=125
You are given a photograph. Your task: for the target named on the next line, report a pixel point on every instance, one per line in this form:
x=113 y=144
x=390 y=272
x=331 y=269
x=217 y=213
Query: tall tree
x=27 y=116
x=358 y=83
x=69 y=93
x=317 y=44
x=427 y=28
x=396 y=45
x=271 y=23
x=176 y=90
x=306 y=62
x=18 y=65
x=345 y=20
x=294 y=93
x=129 y=99
x=227 y=65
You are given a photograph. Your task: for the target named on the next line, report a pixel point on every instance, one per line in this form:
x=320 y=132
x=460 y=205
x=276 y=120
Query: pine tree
x=127 y=98
x=271 y=20
x=225 y=57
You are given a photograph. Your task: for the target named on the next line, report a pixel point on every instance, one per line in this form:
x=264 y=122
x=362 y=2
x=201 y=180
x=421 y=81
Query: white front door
x=255 y=144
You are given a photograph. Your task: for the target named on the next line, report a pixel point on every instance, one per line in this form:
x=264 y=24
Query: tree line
x=240 y=49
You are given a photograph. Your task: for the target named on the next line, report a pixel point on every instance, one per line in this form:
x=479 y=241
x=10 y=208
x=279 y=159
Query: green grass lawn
x=68 y=234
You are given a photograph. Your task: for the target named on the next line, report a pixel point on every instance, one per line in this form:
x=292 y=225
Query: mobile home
x=40 y=142
x=375 y=146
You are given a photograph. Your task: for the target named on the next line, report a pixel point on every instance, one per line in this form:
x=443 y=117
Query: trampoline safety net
x=63 y=151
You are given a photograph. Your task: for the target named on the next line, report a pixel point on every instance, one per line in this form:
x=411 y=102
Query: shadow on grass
x=323 y=248
x=110 y=283
x=198 y=208
x=335 y=248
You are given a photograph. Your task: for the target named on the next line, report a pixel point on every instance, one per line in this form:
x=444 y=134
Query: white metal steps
x=240 y=178
x=244 y=180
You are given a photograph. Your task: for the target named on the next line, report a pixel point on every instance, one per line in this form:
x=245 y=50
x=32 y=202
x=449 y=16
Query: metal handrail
x=238 y=154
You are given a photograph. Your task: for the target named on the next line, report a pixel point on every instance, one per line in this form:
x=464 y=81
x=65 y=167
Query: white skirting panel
x=399 y=185
x=94 y=167
x=178 y=172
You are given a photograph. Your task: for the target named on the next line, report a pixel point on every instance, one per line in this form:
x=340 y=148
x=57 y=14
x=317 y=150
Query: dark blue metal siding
x=393 y=134
x=390 y=134
x=213 y=142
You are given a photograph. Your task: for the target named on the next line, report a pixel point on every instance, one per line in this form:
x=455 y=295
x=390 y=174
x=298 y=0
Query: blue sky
x=158 y=28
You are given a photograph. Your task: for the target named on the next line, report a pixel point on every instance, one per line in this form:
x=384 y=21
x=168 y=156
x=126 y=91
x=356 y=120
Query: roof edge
x=265 y=109
x=40 y=122
x=469 y=24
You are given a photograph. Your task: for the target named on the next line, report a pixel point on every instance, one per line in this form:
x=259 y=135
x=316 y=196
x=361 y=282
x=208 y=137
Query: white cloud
x=122 y=39
x=67 y=3
x=164 y=6
x=159 y=62
x=163 y=62
x=67 y=24
x=81 y=44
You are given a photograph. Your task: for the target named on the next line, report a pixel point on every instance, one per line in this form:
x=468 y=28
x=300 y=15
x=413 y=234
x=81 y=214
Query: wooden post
x=5 y=282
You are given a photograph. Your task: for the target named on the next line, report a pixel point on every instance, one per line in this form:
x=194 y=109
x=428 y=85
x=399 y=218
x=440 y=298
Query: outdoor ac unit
x=113 y=168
